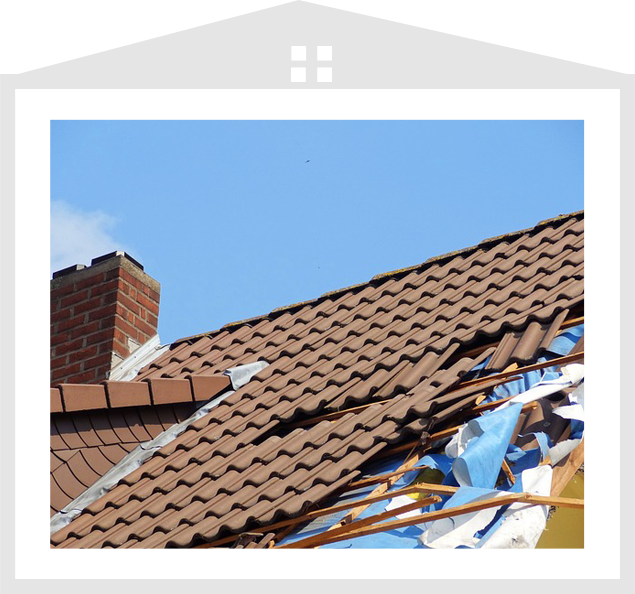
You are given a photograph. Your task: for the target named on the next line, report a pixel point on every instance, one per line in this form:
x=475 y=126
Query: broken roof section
x=352 y=375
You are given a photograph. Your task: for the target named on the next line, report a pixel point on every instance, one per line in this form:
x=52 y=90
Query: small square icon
x=325 y=75
x=298 y=75
x=325 y=53
x=298 y=53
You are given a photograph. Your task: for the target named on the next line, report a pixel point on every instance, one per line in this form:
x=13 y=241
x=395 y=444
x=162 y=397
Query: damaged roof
x=393 y=350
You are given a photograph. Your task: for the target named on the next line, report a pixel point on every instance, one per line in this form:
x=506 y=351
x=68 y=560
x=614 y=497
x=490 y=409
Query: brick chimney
x=100 y=314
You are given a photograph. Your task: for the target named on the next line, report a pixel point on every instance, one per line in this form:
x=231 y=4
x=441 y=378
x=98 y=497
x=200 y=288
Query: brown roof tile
x=83 y=397
x=165 y=391
x=127 y=394
x=205 y=387
x=523 y=346
x=56 y=400
x=402 y=337
x=83 y=426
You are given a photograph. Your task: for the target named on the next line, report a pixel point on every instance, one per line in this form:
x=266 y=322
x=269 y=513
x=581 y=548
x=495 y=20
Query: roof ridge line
x=382 y=276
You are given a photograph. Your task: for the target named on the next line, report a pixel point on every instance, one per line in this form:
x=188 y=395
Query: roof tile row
x=524 y=346
x=111 y=394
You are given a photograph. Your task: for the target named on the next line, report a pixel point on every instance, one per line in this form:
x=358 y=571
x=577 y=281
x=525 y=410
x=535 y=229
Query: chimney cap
x=69 y=270
x=101 y=264
x=116 y=254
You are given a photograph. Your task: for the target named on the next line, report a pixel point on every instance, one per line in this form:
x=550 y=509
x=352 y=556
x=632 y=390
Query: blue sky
x=233 y=222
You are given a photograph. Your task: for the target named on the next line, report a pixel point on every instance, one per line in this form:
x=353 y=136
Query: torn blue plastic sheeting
x=467 y=495
x=515 y=525
x=519 y=526
x=408 y=537
x=544 y=443
x=481 y=365
x=439 y=462
x=520 y=460
x=402 y=538
x=577 y=429
x=560 y=346
x=480 y=463
x=575 y=414
x=524 y=383
x=434 y=461
x=320 y=525
x=570 y=375
x=461 y=531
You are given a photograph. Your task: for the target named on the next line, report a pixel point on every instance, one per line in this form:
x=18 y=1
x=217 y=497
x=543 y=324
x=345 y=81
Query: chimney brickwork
x=100 y=315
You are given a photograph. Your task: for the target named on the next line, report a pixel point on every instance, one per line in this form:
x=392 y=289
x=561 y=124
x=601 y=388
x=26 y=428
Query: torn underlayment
x=519 y=526
x=479 y=449
x=471 y=462
x=559 y=347
x=571 y=375
x=480 y=446
x=239 y=376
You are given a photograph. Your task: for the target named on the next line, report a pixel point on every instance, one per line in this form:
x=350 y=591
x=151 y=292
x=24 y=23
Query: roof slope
x=94 y=426
x=87 y=444
x=402 y=340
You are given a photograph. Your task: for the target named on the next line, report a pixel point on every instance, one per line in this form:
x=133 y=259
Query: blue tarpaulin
x=479 y=465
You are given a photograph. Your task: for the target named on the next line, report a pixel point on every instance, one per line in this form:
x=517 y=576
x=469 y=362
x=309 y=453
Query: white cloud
x=78 y=236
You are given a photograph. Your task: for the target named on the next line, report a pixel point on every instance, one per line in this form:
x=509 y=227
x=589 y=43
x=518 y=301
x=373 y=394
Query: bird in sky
x=308 y=161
